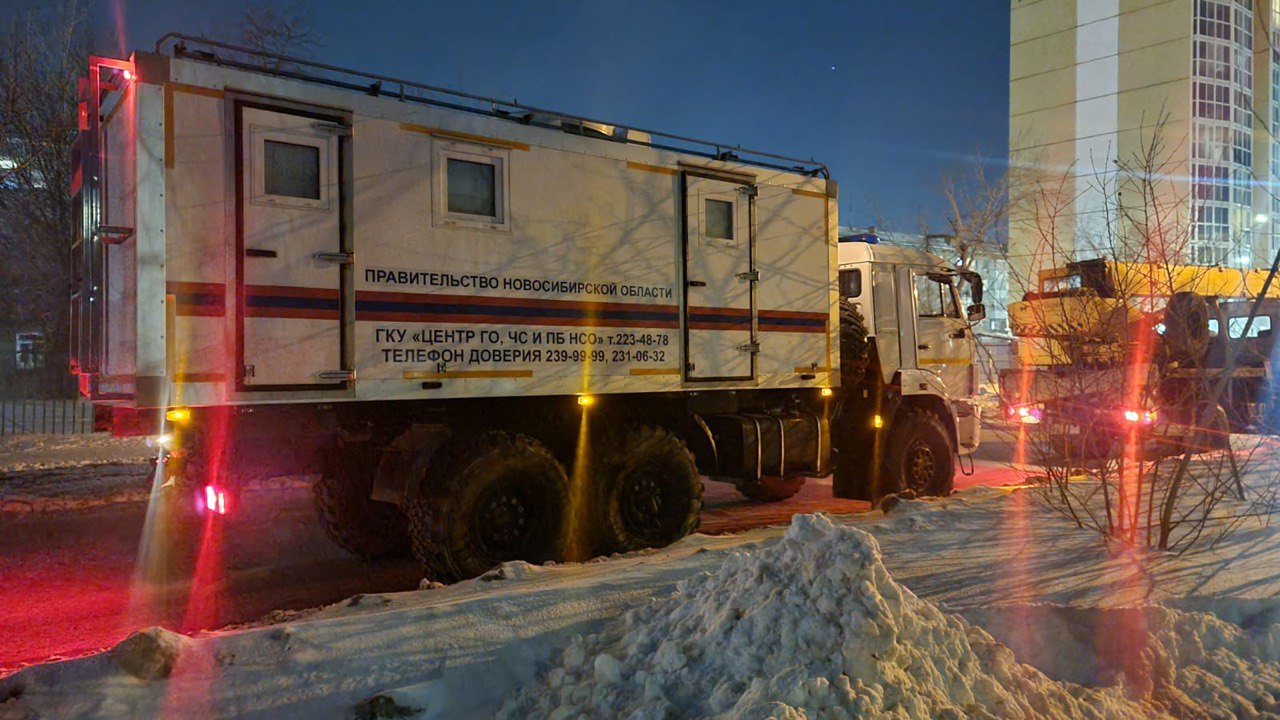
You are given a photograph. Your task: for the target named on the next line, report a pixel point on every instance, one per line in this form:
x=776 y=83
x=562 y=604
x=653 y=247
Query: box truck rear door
x=719 y=297
x=290 y=249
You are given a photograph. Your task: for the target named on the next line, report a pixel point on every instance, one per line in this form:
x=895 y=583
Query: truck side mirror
x=977 y=311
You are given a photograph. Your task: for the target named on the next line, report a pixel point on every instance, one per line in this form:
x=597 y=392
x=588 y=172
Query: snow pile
x=1186 y=664
x=811 y=626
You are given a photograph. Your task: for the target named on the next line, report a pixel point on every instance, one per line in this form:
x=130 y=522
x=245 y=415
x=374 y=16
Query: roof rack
x=236 y=56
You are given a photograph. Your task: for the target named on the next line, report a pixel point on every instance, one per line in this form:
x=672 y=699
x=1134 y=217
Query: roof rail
x=236 y=56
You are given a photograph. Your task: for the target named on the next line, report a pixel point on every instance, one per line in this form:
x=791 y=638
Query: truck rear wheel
x=359 y=524
x=771 y=488
x=918 y=455
x=501 y=497
x=650 y=491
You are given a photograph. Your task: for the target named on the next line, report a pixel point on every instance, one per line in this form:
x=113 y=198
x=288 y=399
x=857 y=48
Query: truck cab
x=919 y=371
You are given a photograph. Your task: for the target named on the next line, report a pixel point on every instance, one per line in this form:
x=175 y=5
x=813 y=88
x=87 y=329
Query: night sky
x=889 y=94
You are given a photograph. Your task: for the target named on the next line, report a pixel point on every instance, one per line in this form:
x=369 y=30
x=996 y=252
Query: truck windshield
x=1073 y=281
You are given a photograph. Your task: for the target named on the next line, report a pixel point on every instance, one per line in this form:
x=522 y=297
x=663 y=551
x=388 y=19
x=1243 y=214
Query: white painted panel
x=1088 y=11
x=1096 y=79
x=1098 y=40
x=150 y=232
x=1094 y=118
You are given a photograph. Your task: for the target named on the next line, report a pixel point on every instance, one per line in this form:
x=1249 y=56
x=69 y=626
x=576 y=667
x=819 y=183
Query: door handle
x=697 y=283
x=958 y=334
x=259 y=252
x=923 y=346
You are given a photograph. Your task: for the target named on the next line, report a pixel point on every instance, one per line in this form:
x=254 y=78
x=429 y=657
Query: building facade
x=1145 y=128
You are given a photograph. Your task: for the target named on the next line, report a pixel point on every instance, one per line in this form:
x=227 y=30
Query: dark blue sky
x=888 y=93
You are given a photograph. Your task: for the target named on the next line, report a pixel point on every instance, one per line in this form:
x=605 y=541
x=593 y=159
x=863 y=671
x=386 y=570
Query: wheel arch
x=937 y=406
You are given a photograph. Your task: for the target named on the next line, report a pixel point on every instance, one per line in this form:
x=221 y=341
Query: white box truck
x=493 y=331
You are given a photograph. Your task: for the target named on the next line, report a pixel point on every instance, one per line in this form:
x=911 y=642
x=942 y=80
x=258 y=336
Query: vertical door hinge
x=246 y=372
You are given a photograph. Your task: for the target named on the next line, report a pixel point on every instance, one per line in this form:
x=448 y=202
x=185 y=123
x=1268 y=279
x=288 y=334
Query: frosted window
x=719 y=220
x=292 y=170
x=472 y=188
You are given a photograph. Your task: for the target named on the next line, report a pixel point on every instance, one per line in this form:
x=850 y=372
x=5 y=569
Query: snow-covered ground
x=59 y=472
x=910 y=614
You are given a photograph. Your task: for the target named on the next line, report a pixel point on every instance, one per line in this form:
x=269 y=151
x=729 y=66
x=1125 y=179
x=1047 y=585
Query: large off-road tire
x=771 y=488
x=649 y=493
x=918 y=455
x=500 y=497
x=371 y=529
x=854 y=346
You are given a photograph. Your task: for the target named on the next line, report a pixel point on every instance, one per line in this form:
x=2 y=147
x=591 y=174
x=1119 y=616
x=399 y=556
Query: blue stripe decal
x=794 y=322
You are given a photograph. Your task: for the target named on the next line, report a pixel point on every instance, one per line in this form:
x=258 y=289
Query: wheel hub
x=503 y=522
x=920 y=466
x=642 y=502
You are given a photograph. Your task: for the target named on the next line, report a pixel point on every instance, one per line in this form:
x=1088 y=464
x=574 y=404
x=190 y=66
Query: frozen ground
x=821 y=622
x=57 y=472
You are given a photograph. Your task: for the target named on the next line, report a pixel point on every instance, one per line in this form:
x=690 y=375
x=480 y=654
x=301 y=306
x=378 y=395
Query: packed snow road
x=71 y=519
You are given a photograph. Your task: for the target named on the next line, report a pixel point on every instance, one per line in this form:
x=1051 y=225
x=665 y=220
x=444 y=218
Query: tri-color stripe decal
x=280 y=301
x=198 y=299
x=422 y=307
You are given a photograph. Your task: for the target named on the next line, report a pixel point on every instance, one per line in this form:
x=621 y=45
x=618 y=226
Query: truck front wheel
x=356 y=522
x=650 y=493
x=918 y=455
x=500 y=497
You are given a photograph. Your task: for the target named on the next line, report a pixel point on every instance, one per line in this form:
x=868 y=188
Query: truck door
x=944 y=344
x=719 y=297
x=291 y=250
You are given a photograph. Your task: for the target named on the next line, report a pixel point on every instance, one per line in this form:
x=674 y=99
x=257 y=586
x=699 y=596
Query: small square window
x=719 y=222
x=472 y=188
x=850 y=283
x=291 y=170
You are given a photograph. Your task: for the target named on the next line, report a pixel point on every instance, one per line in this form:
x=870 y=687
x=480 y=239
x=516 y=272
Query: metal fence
x=50 y=416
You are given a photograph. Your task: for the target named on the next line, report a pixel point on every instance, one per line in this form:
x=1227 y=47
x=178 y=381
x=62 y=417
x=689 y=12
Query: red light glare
x=1145 y=417
x=1025 y=414
x=215 y=499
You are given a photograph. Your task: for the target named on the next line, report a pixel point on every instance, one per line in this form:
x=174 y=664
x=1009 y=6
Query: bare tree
x=44 y=53
x=278 y=29
x=977 y=200
x=1125 y=370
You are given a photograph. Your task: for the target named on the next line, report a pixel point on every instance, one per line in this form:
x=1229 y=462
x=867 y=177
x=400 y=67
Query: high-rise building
x=1094 y=83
